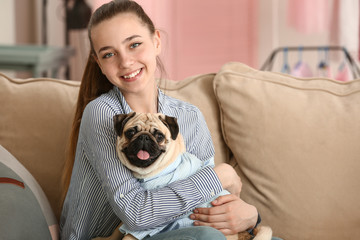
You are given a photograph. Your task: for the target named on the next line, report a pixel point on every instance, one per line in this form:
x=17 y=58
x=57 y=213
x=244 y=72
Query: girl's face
x=126 y=52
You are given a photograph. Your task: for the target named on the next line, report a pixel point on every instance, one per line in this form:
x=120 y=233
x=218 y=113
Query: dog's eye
x=130 y=133
x=159 y=137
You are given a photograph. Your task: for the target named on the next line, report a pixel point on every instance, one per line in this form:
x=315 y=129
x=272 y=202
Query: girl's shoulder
x=109 y=101
x=177 y=107
x=103 y=108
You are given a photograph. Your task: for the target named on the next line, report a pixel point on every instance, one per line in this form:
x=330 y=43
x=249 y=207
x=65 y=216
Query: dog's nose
x=144 y=137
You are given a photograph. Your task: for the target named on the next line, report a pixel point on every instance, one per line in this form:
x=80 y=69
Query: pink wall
x=200 y=36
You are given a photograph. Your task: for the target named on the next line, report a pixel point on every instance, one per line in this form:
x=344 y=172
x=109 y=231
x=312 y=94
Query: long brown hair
x=93 y=82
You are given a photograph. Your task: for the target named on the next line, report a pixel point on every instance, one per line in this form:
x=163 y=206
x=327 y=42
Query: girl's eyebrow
x=104 y=48
x=125 y=40
x=130 y=38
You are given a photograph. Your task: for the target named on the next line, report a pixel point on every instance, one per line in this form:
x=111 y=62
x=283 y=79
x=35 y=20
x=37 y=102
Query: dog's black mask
x=144 y=142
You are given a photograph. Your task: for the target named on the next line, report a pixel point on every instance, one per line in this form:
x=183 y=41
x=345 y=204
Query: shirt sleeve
x=198 y=141
x=194 y=129
x=138 y=208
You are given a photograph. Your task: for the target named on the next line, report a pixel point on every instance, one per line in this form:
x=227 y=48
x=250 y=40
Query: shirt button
x=212 y=193
x=121 y=195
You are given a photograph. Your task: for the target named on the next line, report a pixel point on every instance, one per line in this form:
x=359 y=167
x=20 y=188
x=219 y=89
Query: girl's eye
x=135 y=45
x=107 y=55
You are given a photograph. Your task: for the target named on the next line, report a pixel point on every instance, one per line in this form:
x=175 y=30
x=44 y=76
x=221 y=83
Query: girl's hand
x=229 y=178
x=229 y=214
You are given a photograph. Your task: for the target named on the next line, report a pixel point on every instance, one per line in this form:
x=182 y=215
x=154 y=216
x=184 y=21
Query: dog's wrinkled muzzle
x=143 y=151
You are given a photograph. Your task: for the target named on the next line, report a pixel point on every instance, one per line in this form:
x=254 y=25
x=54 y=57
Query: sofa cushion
x=25 y=212
x=44 y=109
x=198 y=90
x=296 y=144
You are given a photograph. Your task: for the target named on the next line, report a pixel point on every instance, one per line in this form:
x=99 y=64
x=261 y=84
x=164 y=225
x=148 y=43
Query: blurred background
x=199 y=36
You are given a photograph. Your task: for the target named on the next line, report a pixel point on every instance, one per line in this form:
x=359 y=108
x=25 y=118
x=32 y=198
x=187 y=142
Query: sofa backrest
x=293 y=141
x=35 y=121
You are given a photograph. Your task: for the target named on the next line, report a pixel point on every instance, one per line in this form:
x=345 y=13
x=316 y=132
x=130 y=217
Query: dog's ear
x=120 y=120
x=171 y=124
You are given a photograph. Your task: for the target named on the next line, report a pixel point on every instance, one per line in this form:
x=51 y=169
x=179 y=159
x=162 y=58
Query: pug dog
x=152 y=148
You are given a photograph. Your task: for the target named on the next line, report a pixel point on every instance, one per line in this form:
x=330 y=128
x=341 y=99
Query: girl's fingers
x=218 y=204
x=224 y=199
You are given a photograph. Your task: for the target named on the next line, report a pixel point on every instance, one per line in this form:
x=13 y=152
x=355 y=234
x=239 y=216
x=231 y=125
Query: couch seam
x=30 y=80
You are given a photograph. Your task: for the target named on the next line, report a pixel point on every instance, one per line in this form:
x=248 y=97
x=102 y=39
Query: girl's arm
x=138 y=208
x=230 y=214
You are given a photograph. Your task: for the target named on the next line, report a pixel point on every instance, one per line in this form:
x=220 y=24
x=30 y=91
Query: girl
x=120 y=78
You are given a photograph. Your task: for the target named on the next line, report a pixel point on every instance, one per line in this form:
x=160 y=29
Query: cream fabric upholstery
x=296 y=144
x=35 y=121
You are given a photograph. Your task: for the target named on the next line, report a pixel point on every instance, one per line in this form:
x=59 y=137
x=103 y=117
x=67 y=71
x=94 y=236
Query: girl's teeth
x=133 y=74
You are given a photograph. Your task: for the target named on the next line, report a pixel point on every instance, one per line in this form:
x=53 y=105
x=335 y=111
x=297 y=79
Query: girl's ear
x=157 y=42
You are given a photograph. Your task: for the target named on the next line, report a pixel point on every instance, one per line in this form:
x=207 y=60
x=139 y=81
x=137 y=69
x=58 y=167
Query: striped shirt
x=103 y=191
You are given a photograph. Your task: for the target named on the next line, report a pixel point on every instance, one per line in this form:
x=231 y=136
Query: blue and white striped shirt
x=103 y=191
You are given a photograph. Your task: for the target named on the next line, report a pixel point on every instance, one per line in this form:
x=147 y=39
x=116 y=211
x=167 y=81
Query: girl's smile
x=133 y=76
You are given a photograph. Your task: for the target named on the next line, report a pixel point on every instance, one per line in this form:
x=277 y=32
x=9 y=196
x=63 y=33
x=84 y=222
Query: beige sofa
x=294 y=142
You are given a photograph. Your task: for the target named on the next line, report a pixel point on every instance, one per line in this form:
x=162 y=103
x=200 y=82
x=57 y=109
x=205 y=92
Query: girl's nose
x=125 y=60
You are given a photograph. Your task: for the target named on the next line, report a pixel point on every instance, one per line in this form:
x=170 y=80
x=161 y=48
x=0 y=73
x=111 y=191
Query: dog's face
x=144 y=140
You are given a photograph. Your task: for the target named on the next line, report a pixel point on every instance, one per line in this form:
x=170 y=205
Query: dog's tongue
x=143 y=155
